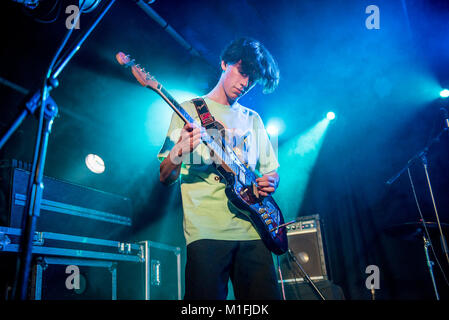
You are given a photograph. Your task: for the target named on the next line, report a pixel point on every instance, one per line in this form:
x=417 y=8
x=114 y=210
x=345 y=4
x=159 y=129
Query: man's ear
x=223 y=65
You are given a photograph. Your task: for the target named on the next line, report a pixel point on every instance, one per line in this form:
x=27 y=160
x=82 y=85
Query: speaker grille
x=306 y=244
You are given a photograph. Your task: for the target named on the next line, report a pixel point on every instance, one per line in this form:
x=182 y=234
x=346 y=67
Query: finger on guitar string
x=265 y=184
x=267 y=189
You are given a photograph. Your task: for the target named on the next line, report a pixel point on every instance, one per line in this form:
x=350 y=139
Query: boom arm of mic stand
x=417 y=156
x=33 y=102
x=306 y=275
x=63 y=62
x=409 y=163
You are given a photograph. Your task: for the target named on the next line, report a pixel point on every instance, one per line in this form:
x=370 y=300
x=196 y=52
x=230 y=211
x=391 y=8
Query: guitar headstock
x=144 y=78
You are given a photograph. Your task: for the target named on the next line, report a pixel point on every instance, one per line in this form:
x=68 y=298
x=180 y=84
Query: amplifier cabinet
x=66 y=208
x=306 y=243
x=304 y=291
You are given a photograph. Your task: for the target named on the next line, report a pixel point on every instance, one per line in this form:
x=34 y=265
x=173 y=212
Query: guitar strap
x=208 y=122
x=207 y=119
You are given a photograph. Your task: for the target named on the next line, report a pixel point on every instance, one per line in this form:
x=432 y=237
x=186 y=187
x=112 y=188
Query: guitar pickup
x=268 y=222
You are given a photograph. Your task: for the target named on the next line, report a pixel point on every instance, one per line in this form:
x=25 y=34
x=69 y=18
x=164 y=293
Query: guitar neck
x=175 y=105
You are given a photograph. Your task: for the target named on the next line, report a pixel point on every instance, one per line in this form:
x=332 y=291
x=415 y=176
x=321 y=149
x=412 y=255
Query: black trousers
x=249 y=265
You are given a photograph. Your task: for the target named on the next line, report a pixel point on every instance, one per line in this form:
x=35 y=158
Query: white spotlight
x=275 y=127
x=330 y=115
x=95 y=163
x=272 y=130
x=444 y=93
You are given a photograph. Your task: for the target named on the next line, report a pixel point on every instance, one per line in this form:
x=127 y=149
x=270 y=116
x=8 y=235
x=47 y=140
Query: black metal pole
x=430 y=265
x=32 y=104
x=442 y=238
x=306 y=276
x=33 y=204
x=48 y=111
x=60 y=66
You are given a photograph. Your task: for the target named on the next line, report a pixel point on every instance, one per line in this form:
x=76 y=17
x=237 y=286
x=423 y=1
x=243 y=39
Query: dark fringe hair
x=257 y=62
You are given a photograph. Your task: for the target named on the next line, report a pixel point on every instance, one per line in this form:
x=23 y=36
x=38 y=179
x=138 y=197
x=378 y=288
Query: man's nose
x=245 y=82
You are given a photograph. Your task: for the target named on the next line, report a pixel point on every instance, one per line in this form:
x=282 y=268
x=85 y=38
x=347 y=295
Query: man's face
x=235 y=83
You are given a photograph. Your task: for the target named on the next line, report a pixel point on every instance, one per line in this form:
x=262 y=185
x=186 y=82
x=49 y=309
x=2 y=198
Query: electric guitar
x=241 y=187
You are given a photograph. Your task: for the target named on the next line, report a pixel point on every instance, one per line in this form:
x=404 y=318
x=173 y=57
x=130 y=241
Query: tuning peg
x=130 y=63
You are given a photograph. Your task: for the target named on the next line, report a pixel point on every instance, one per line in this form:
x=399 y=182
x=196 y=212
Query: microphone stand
x=305 y=274
x=430 y=264
x=422 y=155
x=48 y=111
x=442 y=238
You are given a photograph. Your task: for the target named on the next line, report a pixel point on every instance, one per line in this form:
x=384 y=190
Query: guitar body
x=241 y=187
x=264 y=214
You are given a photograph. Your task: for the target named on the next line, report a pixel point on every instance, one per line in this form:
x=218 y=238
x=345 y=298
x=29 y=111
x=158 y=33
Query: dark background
x=382 y=84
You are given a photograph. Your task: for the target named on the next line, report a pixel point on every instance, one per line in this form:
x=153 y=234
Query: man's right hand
x=189 y=140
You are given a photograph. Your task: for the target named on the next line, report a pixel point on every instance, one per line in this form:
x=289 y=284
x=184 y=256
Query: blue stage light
x=444 y=93
x=275 y=127
x=330 y=115
x=272 y=130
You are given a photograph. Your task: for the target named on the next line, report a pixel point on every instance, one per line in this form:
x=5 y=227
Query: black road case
x=75 y=267
x=60 y=259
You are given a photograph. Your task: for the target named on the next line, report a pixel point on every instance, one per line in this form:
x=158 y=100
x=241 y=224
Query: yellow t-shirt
x=207 y=212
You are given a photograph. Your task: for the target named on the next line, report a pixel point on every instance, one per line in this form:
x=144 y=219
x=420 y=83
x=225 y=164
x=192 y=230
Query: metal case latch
x=4 y=240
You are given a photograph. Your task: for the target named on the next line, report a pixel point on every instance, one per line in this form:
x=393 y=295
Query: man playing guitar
x=222 y=243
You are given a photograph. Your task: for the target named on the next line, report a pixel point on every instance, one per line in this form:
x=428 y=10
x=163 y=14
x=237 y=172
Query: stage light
x=299 y=155
x=444 y=93
x=330 y=115
x=275 y=127
x=88 y=5
x=272 y=130
x=95 y=163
